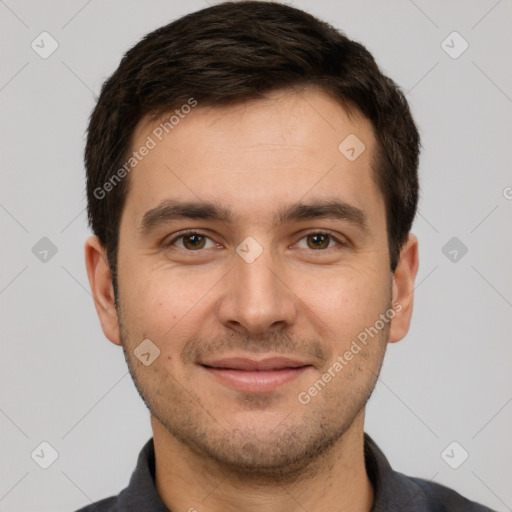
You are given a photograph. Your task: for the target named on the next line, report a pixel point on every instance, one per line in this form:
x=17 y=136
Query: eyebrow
x=171 y=210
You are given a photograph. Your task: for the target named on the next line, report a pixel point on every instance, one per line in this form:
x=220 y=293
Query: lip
x=252 y=375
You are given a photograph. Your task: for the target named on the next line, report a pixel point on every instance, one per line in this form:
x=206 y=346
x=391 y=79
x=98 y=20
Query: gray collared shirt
x=393 y=491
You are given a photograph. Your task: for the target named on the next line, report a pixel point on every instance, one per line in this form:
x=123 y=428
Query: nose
x=257 y=298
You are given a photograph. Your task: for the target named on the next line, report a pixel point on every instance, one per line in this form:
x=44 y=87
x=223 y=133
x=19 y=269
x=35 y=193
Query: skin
x=218 y=448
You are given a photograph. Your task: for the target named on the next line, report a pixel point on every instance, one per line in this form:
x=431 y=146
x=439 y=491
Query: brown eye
x=194 y=241
x=191 y=241
x=318 y=240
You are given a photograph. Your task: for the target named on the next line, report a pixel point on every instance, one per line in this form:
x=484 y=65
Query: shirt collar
x=392 y=490
x=141 y=493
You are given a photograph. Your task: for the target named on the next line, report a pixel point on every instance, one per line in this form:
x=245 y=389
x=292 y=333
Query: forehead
x=255 y=157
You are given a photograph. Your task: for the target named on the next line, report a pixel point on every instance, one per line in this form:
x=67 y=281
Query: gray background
x=62 y=382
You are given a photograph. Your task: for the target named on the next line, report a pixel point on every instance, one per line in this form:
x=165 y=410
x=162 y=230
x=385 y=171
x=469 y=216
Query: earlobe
x=100 y=281
x=403 y=289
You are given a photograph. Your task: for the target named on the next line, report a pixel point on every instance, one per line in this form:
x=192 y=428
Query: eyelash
x=184 y=234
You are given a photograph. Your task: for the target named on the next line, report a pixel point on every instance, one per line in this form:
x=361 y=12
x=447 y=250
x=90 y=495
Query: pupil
x=319 y=240
x=194 y=240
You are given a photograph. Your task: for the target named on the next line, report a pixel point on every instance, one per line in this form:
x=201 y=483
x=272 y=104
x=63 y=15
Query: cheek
x=164 y=304
x=349 y=299
x=148 y=306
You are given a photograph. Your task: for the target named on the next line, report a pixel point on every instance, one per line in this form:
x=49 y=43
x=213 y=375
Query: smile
x=255 y=376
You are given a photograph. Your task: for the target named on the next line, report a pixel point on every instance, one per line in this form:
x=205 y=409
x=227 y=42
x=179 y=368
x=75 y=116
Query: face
x=257 y=295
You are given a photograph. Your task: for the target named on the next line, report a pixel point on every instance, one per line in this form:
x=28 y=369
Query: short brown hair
x=236 y=51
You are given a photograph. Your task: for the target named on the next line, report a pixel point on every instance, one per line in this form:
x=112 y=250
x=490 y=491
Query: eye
x=191 y=241
x=194 y=241
x=320 y=240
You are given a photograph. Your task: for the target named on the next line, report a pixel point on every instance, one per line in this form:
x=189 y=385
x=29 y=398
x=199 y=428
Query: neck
x=337 y=480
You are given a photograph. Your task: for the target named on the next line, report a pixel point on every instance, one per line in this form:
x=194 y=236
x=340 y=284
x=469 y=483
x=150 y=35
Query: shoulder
x=395 y=491
x=443 y=499
x=104 y=505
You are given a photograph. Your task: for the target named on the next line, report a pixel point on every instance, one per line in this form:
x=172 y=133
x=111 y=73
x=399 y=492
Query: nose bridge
x=257 y=298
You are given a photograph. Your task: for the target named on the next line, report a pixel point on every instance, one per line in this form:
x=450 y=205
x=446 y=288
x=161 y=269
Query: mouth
x=250 y=375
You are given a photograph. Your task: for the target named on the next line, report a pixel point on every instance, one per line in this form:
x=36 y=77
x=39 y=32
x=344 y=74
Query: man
x=252 y=182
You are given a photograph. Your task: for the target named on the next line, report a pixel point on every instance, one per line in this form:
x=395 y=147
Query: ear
x=403 y=289
x=100 y=281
